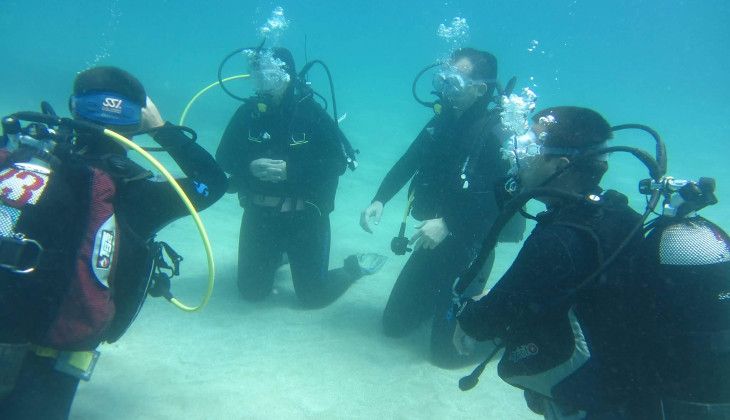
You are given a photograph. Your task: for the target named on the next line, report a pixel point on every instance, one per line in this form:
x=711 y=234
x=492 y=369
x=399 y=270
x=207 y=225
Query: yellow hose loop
x=196 y=218
x=202 y=91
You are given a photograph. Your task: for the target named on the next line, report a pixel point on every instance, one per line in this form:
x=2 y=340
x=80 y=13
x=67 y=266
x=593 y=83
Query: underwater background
x=663 y=63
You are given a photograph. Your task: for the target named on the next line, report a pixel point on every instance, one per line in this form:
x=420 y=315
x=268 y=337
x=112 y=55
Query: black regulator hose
x=47 y=109
x=470 y=381
x=661 y=150
x=517 y=203
x=308 y=67
x=655 y=168
x=348 y=150
x=225 y=60
x=55 y=121
x=87 y=127
x=38 y=117
x=490 y=241
x=650 y=207
x=415 y=82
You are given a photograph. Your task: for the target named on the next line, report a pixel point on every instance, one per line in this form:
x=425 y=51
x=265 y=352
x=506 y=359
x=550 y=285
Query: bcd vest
x=60 y=247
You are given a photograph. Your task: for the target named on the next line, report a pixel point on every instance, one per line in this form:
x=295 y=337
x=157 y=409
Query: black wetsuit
x=143 y=207
x=296 y=218
x=579 y=348
x=454 y=163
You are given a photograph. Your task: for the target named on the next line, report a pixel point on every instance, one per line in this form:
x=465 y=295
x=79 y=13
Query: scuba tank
x=685 y=264
x=26 y=154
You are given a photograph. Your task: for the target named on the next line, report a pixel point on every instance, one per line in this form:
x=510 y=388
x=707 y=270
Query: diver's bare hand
x=373 y=212
x=430 y=234
x=269 y=170
x=462 y=342
x=151 y=117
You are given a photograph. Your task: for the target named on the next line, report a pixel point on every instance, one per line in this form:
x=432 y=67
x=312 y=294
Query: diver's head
x=468 y=78
x=108 y=96
x=273 y=72
x=558 y=138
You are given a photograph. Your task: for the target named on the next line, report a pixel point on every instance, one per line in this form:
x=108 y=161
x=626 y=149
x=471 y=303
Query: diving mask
x=449 y=82
x=520 y=150
x=268 y=72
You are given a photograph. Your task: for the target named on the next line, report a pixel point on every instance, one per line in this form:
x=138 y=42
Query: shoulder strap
x=120 y=168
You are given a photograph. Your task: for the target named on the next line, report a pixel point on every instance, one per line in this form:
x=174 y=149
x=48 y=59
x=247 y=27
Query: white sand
x=237 y=360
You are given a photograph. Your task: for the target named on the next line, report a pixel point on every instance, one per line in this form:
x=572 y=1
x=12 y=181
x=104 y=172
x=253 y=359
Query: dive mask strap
x=106 y=108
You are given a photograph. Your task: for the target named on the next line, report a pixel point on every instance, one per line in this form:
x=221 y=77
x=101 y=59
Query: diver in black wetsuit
x=29 y=306
x=284 y=154
x=455 y=163
x=575 y=350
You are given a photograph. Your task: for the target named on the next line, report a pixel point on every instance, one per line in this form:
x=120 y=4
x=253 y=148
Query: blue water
x=661 y=63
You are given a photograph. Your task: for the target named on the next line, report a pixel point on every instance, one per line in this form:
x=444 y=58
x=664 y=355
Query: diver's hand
x=463 y=343
x=430 y=234
x=373 y=212
x=270 y=170
x=151 y=117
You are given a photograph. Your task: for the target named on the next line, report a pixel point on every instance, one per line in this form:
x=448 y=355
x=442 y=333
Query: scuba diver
x=589 y=365
x=285 y=156
x=78 y=255
x=596 y=320
x=455 y=163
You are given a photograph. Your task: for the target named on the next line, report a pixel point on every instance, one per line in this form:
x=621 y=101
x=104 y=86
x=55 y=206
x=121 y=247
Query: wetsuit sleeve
x=403 y=170
x=150 y=205
x=542 y=273
x=327 y=159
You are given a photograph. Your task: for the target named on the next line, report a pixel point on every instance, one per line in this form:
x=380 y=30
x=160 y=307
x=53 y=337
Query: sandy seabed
x=273 y=360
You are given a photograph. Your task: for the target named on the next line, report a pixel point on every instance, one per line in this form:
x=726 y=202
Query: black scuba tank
x=686 y=267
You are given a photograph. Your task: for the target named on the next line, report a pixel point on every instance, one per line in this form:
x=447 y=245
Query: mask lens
x=520 y=150
x=268 y=81
x=456 y=81
x=268 y=73
x=449 y=82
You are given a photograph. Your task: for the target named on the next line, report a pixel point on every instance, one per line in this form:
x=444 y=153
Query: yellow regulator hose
x=196 y=218
x=202 y=91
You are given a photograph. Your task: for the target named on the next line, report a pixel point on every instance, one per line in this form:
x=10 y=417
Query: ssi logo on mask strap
x=112 y=105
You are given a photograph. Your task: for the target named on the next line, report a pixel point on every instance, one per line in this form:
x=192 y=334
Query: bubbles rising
x=456 y=33
x=275 y=25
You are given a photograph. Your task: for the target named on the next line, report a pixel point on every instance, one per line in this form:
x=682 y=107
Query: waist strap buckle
x=79 y=364
x=20 y=254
